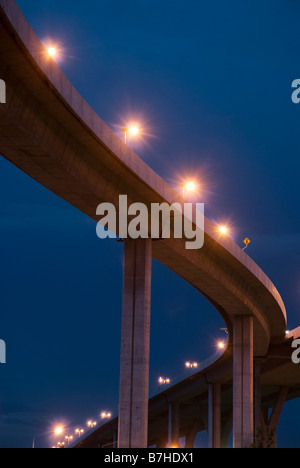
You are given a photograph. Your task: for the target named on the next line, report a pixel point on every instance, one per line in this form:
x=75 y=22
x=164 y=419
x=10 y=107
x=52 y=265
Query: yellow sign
x=247 y=241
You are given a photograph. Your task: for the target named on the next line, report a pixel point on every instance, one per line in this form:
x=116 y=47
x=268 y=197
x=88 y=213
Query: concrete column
x=115 y=438
x=214 y=416
x=276 y=413
x=226 y=431
x=174 y=425
x=258 y=423
x=242 y=381
x=135 y=345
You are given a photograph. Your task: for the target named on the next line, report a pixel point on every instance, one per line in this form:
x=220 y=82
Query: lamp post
x=164 y=381
x=188 y=186
x=68 y=438
x=79 y=432
x=191 y=365
x=133 y=130
x=105 y=415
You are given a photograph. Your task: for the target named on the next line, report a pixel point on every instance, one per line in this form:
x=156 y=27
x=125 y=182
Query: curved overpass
x=50 y=132
x=192 y=395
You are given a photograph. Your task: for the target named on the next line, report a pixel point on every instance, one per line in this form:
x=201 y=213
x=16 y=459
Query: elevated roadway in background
x=191 y=397
x=49 y=132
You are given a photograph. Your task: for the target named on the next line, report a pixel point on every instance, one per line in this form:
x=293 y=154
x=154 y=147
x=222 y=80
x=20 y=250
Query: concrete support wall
x=115 y=439
x=226 y=431
x=214 y=416
x=243 y=381
x=174 y=425
x=271 y=422
x=135 y=345
x=258 y=421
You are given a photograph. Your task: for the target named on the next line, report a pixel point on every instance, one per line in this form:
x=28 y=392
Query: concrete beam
x=135 y=345
x=243 y=420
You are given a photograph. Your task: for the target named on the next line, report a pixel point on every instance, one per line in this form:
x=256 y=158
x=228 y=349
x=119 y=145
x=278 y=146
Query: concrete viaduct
x=48 y=131
x=204 y=402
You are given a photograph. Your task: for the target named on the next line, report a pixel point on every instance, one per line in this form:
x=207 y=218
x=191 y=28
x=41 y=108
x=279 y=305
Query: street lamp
x=91 y=423
x=79 y=432
x=191 y=365
x=223 y=230
x=163 y=381
x=105 y=415
x=188 y=186
x=132 y=130
x=58 y=430
x=221 y=345
x=68 y=438
x=52 y=52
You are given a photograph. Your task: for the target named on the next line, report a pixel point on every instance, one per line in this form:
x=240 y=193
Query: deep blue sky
x=211 y=82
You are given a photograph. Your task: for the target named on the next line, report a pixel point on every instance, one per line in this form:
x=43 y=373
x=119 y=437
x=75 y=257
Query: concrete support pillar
x=174 y=425
x=242 y=381
x=214 y=416
x=115 y=438
x=135 y=345
x=258 y=422
x=226 y=431
x=270 y=428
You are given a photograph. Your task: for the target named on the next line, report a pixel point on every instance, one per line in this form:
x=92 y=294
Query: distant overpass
x=48 y=131
x=184 y=410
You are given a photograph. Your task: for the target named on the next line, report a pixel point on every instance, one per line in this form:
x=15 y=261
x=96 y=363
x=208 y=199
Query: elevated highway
x=49 y=132
x=191 y=399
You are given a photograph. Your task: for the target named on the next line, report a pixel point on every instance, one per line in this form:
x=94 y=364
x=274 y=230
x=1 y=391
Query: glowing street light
x=58 y=430
x=79 y=432
x=52 y=52
x=223 y=230
x=91 y=423
x=132 y=130
x=221 y=345
x=191 y=365
x=188 y=186
x=163 y=381
x=105 y=415
x=68 y=438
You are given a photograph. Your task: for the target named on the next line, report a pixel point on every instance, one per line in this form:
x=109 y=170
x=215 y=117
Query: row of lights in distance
x=190 y=365
x=59 y=430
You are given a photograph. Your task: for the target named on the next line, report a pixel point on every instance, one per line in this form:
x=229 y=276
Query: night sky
x=211 y=84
